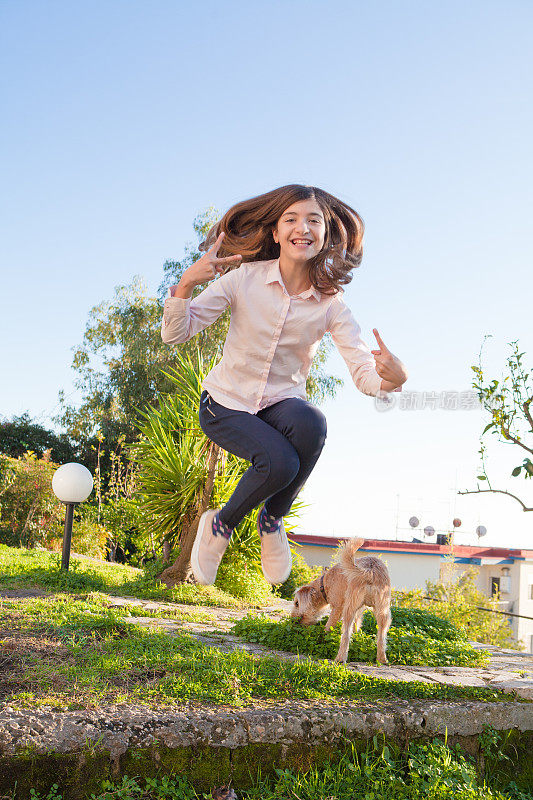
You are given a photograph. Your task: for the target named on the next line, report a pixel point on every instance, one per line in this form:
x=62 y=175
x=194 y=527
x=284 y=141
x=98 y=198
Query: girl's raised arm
x=346 y=335
x=183 y=318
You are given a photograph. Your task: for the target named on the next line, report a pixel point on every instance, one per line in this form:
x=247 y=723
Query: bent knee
x=281 y=464
x=286 y=466
x=313 y=427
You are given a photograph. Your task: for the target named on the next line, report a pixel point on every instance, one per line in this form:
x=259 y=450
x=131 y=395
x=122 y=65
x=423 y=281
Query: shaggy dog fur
x=348 y=587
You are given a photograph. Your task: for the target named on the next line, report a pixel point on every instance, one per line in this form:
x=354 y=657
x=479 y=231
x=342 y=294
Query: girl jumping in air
x=282 y=258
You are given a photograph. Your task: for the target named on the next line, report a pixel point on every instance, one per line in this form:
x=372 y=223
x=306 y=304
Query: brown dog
x=348 y=587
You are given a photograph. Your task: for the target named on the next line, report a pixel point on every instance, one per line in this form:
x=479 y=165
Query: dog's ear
x=302 y=592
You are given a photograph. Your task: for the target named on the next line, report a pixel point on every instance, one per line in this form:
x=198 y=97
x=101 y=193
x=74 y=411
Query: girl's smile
x=301 y=243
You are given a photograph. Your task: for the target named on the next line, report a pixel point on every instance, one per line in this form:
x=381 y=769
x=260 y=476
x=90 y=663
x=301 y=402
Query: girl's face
x=300 y=230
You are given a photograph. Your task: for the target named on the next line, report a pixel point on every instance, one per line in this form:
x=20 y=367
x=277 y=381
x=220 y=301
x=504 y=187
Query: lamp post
x=72 y=484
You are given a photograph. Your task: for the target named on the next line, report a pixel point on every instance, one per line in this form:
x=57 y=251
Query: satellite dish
x=414 y=522
x=457 y=522
x=481 y=530
x=429 y=531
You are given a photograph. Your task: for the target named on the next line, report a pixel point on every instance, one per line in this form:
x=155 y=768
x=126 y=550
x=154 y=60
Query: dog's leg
x=347 y=629
x=359 y=618
x=383 y=619
x=333 y=618
x=348 y=619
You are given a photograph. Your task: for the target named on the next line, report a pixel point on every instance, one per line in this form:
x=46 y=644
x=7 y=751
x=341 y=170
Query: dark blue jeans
x=283 y=443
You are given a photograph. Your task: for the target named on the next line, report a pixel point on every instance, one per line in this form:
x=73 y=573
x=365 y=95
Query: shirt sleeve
x=183 y=318
x=346 y=335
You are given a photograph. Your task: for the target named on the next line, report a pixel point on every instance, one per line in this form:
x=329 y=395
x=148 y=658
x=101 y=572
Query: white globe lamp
x=72 y=484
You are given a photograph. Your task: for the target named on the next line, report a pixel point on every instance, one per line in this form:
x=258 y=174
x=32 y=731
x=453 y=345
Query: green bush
x=457 y=603
x=418 y=621
x=404 y=646
x=30 y=513
x=243 y=580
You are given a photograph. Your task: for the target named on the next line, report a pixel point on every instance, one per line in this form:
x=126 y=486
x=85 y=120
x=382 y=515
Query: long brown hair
x=248 y=229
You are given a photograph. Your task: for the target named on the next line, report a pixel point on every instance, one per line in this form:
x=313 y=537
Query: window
x=494 y=586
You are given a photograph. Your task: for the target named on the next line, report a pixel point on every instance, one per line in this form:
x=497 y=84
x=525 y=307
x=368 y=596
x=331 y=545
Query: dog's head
x=307 y=605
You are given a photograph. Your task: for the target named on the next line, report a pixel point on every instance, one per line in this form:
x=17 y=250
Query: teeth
x=300 y=241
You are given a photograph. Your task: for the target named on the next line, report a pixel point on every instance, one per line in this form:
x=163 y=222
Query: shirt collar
x=274 y=274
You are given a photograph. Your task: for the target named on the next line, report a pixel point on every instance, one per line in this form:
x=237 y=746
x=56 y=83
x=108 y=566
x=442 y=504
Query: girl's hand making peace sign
x=207 y=267
x=388 y=366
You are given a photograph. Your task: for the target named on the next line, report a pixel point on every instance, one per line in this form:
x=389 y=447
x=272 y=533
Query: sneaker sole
x=206 y=517
x=283 y=579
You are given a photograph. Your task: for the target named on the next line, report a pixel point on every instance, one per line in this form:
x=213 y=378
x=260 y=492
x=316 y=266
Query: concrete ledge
x=117 y=728
x=212 y=746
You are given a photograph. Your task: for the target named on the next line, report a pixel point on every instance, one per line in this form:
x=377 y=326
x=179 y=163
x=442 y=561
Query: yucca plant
x=182 y=473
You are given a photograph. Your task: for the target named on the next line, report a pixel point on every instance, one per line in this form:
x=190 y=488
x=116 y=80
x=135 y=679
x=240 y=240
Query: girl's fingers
x=214 y=249
x=380 y=340
x=228 y=259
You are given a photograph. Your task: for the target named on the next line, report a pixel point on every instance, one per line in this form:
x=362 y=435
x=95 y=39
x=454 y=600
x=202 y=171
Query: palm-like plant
x=182 y=473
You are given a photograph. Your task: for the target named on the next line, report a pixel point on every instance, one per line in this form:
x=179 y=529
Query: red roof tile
x=387 y=545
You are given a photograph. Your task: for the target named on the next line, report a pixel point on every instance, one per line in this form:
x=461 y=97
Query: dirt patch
x=24 y=593
x=20 y=652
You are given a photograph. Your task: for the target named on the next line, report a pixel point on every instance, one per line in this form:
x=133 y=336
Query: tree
x=21 y=434
x=508 y=401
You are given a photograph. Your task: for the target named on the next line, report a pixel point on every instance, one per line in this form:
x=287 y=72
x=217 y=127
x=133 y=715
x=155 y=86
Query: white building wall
x=524 y=605
x=411 y=571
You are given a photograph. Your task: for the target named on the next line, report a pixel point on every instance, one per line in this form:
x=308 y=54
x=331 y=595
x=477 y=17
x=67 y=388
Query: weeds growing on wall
x=431 y=771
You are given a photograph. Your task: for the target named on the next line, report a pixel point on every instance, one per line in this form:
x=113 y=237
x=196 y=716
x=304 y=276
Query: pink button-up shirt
x=272 y=336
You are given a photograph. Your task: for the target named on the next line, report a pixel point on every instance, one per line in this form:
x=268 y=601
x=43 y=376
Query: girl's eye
x=313 y=220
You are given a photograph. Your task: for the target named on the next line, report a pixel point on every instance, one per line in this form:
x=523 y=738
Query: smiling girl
x=282 y=258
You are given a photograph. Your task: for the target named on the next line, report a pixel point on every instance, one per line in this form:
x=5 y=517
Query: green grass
x=432 y=771
x=73 y=653
x=417 y=620
x=24 y=569
x=406 y=645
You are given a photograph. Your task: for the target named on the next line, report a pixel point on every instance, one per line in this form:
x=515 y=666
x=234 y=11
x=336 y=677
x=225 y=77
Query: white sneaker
x=276 y=559
x=208 y=549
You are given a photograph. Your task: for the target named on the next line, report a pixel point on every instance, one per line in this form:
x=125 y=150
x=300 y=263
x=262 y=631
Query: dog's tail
x=367 y=567
x=347 y=557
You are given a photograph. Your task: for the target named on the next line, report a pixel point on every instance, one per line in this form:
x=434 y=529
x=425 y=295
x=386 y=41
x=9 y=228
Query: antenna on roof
x=481 y=531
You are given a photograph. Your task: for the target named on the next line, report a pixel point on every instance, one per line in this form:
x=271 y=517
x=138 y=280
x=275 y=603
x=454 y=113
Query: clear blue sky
x=123 y=120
